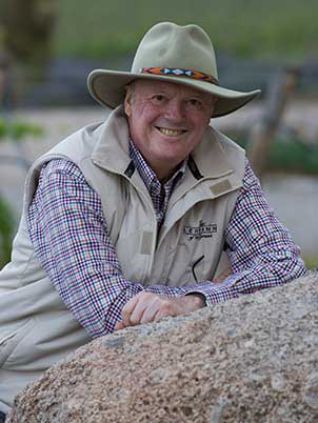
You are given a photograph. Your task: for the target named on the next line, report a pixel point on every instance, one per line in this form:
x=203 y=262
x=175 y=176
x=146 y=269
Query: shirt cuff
x=216 y=292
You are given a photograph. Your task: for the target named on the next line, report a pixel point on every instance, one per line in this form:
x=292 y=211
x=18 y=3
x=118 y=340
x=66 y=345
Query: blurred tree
x=262 y=136
x=26 y=29
x=27 y=26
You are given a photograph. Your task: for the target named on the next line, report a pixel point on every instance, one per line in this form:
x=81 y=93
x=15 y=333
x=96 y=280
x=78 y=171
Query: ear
x=127 y=102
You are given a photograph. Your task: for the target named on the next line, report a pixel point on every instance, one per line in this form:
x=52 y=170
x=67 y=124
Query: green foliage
x=294 y=156
x=18 y=130
x=290 y=156
x=6 y=231
x=242 y=27
x=311 y=262
x=11 y=131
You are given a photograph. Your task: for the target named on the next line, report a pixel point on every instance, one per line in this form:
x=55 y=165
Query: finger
x=145 y=309
x=161 y=308
x=119 y=325
x=128 y=309
x=157 y=316
x=169 y=308
x=160 y=315
x=150 y=312
x=138 y=312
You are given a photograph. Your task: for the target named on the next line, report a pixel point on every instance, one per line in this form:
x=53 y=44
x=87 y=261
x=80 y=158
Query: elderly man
x=131 y=220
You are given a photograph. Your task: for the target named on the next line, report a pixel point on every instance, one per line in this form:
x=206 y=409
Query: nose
x=174 y=110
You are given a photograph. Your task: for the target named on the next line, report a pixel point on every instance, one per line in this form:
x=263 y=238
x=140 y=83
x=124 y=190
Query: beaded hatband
x=181 y=72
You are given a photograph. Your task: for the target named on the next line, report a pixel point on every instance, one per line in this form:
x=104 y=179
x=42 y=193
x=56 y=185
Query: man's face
x=166 y=121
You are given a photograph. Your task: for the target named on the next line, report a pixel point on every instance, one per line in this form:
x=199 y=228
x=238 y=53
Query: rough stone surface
x=254 y=359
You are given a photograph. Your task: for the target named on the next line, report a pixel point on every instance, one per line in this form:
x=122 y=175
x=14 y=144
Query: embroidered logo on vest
x=204 y=230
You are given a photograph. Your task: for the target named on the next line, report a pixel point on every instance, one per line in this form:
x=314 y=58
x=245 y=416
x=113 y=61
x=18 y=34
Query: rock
x=253 y=359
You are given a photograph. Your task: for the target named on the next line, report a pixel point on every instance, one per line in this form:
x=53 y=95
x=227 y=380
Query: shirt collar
x=148 y=175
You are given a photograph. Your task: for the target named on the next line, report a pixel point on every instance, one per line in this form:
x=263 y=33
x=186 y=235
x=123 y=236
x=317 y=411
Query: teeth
x=171 y=132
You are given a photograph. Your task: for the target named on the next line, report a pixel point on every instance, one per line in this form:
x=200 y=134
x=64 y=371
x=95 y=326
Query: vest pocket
x=194 y=268
x=10 y=341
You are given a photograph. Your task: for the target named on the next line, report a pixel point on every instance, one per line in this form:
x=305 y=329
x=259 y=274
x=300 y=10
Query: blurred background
x=47 y=48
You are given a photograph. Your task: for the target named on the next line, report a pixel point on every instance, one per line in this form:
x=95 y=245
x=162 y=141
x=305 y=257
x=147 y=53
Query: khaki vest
x=36 y=330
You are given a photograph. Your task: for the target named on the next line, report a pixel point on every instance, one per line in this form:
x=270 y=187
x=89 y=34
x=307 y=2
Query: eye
x=158 y=98
x=195 y=102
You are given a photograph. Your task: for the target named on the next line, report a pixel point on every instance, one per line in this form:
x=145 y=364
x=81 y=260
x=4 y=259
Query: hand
x=146 y=307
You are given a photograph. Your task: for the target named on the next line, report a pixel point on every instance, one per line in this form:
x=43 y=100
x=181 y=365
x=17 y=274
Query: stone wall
x=254 y=359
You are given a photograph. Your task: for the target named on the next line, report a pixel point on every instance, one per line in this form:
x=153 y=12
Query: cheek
x=143 y=115
x=141 y=127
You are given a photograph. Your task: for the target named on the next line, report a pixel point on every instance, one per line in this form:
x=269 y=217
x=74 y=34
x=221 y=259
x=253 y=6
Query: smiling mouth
x=171 y=132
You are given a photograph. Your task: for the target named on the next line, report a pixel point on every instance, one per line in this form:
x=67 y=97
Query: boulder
x=253 y=359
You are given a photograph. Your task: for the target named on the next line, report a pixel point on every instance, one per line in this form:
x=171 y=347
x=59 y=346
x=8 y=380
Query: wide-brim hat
x=169 y=52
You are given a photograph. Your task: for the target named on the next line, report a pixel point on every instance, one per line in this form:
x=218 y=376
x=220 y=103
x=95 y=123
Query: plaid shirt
x=69 y=234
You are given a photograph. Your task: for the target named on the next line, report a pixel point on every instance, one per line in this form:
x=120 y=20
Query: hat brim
x=108 y=88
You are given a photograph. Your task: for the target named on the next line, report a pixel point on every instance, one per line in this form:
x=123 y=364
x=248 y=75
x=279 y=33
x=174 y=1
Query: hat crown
x=172 y=46
x=170 y=53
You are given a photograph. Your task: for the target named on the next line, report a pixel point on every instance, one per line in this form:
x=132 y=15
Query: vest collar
x=111 y=150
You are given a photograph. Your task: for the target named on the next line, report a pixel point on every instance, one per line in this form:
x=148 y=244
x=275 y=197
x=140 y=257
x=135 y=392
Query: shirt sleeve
x=69 y=233
x=260 y=248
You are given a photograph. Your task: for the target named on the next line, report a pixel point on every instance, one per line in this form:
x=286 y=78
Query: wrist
x=197 y=300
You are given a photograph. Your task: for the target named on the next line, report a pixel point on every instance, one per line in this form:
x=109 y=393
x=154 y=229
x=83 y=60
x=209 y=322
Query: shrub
x=6 y=232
